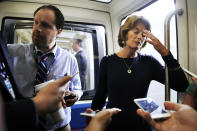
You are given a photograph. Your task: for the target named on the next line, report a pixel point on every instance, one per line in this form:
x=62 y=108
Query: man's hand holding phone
x=55 y=91
x=70 y=96
x=149 y=105
x=183 y=118
x=99 y=120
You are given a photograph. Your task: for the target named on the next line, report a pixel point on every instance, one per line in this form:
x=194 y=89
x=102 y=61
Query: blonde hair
x=129 y=24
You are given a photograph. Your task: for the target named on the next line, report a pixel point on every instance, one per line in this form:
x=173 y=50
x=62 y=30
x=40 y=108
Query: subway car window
x=92 y=37
x=159 y=11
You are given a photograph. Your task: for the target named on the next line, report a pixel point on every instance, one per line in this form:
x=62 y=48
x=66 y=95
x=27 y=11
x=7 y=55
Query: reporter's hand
x=101 y=119
x=183 y=119
x=88 y=119
x=49 y=98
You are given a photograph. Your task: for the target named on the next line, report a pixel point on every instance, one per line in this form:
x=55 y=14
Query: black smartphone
x=71 y=96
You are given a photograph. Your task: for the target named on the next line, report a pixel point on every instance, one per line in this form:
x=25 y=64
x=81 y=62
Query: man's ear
x=59 y=31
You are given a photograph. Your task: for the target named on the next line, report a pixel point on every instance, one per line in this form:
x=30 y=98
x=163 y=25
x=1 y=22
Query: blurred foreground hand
x=183 y=119
x=101 y=119
x=49 y=98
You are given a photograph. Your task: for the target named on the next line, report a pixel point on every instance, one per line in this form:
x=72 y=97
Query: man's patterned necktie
x=41 y=75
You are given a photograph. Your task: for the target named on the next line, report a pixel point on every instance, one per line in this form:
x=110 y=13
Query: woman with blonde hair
x=126 y=75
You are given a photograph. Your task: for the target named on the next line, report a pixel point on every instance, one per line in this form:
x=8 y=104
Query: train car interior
x=97 y=23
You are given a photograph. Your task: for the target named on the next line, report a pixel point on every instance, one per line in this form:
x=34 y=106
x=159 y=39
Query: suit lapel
x=78 y=54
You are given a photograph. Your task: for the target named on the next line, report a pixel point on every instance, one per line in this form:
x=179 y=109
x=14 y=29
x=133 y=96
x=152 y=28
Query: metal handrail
x=167 y=44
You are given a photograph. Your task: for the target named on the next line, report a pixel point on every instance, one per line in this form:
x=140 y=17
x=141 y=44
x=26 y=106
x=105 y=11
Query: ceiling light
x=103 y=1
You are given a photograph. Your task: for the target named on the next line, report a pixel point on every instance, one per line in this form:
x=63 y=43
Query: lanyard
x=52 y=61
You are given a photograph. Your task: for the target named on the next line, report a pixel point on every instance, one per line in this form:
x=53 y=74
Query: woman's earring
x=123 y=42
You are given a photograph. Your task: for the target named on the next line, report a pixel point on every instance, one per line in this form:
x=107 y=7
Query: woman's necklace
x=129 y=71
x=129 y=67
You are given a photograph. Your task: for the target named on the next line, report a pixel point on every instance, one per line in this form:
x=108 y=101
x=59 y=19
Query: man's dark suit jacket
x=19 y=114
x=82 y=63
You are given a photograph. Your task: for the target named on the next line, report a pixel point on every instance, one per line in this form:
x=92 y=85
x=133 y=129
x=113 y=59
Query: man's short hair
x=79 y=42
x=59 y=20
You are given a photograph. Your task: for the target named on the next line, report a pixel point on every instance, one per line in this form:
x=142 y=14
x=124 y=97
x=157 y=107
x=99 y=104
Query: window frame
x=8 y=34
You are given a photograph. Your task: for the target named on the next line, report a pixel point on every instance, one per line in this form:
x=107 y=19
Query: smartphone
x=189 y=73
x=71 y=96
x=149 y=105
x=91 y=114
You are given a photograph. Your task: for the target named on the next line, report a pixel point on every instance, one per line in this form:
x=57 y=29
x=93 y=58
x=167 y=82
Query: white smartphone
x=189 y=73
x=149 y=105
x=91 y=114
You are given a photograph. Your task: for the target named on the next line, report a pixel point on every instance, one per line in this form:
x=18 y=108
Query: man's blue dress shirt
x=25 y=68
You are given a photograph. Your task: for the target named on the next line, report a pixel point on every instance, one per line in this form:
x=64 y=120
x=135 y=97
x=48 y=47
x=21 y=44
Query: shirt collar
x=79 y=50
x=53 y=51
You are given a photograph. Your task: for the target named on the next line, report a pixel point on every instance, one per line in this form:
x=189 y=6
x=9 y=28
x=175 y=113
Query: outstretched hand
x=101 y=119
x=49 y=98
x=183 y=119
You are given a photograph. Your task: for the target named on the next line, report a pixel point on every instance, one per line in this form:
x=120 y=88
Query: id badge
x=9 y=87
